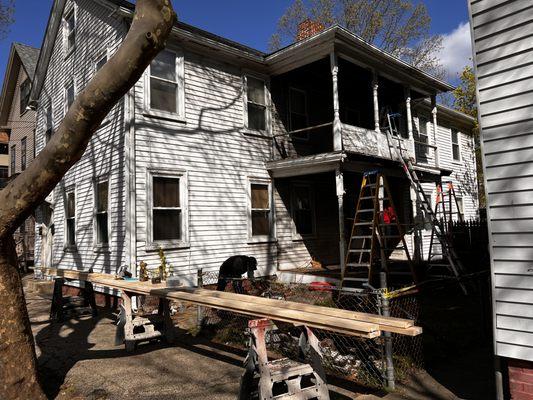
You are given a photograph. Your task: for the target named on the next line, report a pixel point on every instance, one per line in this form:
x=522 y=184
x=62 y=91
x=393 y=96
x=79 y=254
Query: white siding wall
x=502 y=47
x=104 y=156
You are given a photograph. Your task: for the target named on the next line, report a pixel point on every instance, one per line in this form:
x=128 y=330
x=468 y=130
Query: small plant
x=163 y=272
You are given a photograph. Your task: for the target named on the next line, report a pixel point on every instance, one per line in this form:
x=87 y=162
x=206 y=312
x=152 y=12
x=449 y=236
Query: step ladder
x=450 y=259
x=282 y=379
x=376 y=233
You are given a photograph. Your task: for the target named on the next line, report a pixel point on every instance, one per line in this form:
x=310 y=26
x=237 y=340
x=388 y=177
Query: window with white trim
x=456 y=147
x=256 y=104
x=100 y=62
x=303 y=210
x=421 y=136
x=69 y=95
x=70 y=218
x=25 y=89
x=168 y=209
x=165 y=85
x=70 y=30
x=101 y=212
x=48 y=122
x=260 y=209
x=460 y=209
x=298 y=118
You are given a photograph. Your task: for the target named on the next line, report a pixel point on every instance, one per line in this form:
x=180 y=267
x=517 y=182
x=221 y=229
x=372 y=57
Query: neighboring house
x=221 y=149
x=502 y=47
x=18 y=121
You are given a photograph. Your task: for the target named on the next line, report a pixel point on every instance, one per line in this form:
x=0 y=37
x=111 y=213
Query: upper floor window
x=456 y=147
x=260 y=209
x=256 y=104
x=165 y=86
x=48 y=122
x=100 y=62
x=70 y=218
x=168 y=206
x=23 y=154
x=422 y=140
x=13 y=158
x=70 y=30
x=69 y=96
x=24 y=95
x=101 y=212
x=298 y=118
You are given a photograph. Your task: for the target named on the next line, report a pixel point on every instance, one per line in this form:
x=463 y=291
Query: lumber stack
x=326 y=318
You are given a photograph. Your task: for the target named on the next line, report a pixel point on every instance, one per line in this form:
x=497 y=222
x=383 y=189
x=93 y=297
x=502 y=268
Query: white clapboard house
x=221 y=149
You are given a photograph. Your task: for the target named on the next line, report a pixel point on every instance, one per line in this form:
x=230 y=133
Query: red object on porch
x=389 y=216
x=321 y=286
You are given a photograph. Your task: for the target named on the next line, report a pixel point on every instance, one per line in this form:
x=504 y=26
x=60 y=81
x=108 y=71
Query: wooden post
x=375 y=97
x=408 y=113
x=434 y=115
x=337 y=128
x=339 y=177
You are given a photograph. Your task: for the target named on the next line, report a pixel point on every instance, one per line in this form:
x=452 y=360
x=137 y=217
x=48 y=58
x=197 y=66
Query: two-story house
x=17 y=121
x=221 y=149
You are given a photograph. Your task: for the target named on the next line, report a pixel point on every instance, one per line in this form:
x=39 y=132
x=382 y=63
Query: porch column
x=337 y=128
x=408 y=112
x=434 y=114
x=375 y=87
x=339 y=180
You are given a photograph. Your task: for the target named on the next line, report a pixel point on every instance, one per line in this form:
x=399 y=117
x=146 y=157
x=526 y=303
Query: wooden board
x=331 y=319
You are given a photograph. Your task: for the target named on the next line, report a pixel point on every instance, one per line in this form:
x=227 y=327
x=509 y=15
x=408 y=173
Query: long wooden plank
x=342 y=321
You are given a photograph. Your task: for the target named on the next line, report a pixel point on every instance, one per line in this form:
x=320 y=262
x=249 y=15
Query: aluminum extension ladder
x=282 y=379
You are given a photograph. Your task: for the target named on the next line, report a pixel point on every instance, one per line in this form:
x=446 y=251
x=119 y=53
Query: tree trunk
x=147 y=36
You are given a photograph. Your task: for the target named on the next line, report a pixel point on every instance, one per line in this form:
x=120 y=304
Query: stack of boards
x=330 y=319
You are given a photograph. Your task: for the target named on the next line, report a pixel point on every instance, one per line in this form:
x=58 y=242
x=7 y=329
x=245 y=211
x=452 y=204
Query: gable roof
x=23 y=56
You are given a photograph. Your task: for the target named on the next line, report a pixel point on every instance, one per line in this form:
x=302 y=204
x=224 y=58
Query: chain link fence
x=360 y=360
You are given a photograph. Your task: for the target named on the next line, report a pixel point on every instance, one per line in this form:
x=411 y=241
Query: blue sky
x=248 y=22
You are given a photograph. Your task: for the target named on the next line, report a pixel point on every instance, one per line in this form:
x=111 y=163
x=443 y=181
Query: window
x=24 y=95
x=3 y=173
x=166 y=95
x=101 y=212
x=70 y=30
x=69 y=96
x=49 y=123
x=101 y=62
x=422 y=138
x=260 y=209
x=168 y=207
x=303 y=212
x=460 y=209
x=456 y=148
x=13 y=158
x=70 y=219
x=256 y=104
x=4 y=148
x=298 y=112
x=23 y=154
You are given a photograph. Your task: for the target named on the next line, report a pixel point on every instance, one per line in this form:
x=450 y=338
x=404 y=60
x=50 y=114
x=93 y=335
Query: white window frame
x=182 y=175
x=305 y=136
x=266 y=84
x=66 y=192
x=74 y=13
x=295 y=235
x=101 y=246
x=180 y=76
x=272 y=226
x=70 y=82
x=458 y=144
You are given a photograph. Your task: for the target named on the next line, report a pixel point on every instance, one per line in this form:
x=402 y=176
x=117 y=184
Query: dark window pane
x=163 y=95
x=167 y=224
x=456 y=155
x=260 y=223
x=70 y=96
x=304 y=222
x=260 y=196
x=298 y=101
x=102 y=235
x=256 y=117
x=49 y=117
x=164 y=66
x=71 y=205
x=298 y=122
x=101 y=196
x=4 y=149
x=101 y=62
x=166 y=192
x=256 y=90
x=71 y=231
x=24 y=95
x=3 y=172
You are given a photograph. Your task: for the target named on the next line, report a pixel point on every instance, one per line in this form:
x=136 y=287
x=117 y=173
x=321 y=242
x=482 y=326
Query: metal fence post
x=389 y=362
x=200 y=309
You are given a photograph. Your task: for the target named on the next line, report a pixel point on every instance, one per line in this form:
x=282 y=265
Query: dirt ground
x=78 y=360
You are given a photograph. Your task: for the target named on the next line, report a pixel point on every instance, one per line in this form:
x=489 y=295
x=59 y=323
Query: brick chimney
x=308 y=28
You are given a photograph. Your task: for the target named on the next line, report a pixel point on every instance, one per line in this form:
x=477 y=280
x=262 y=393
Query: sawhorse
x=67 y=305
x=283 y=379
